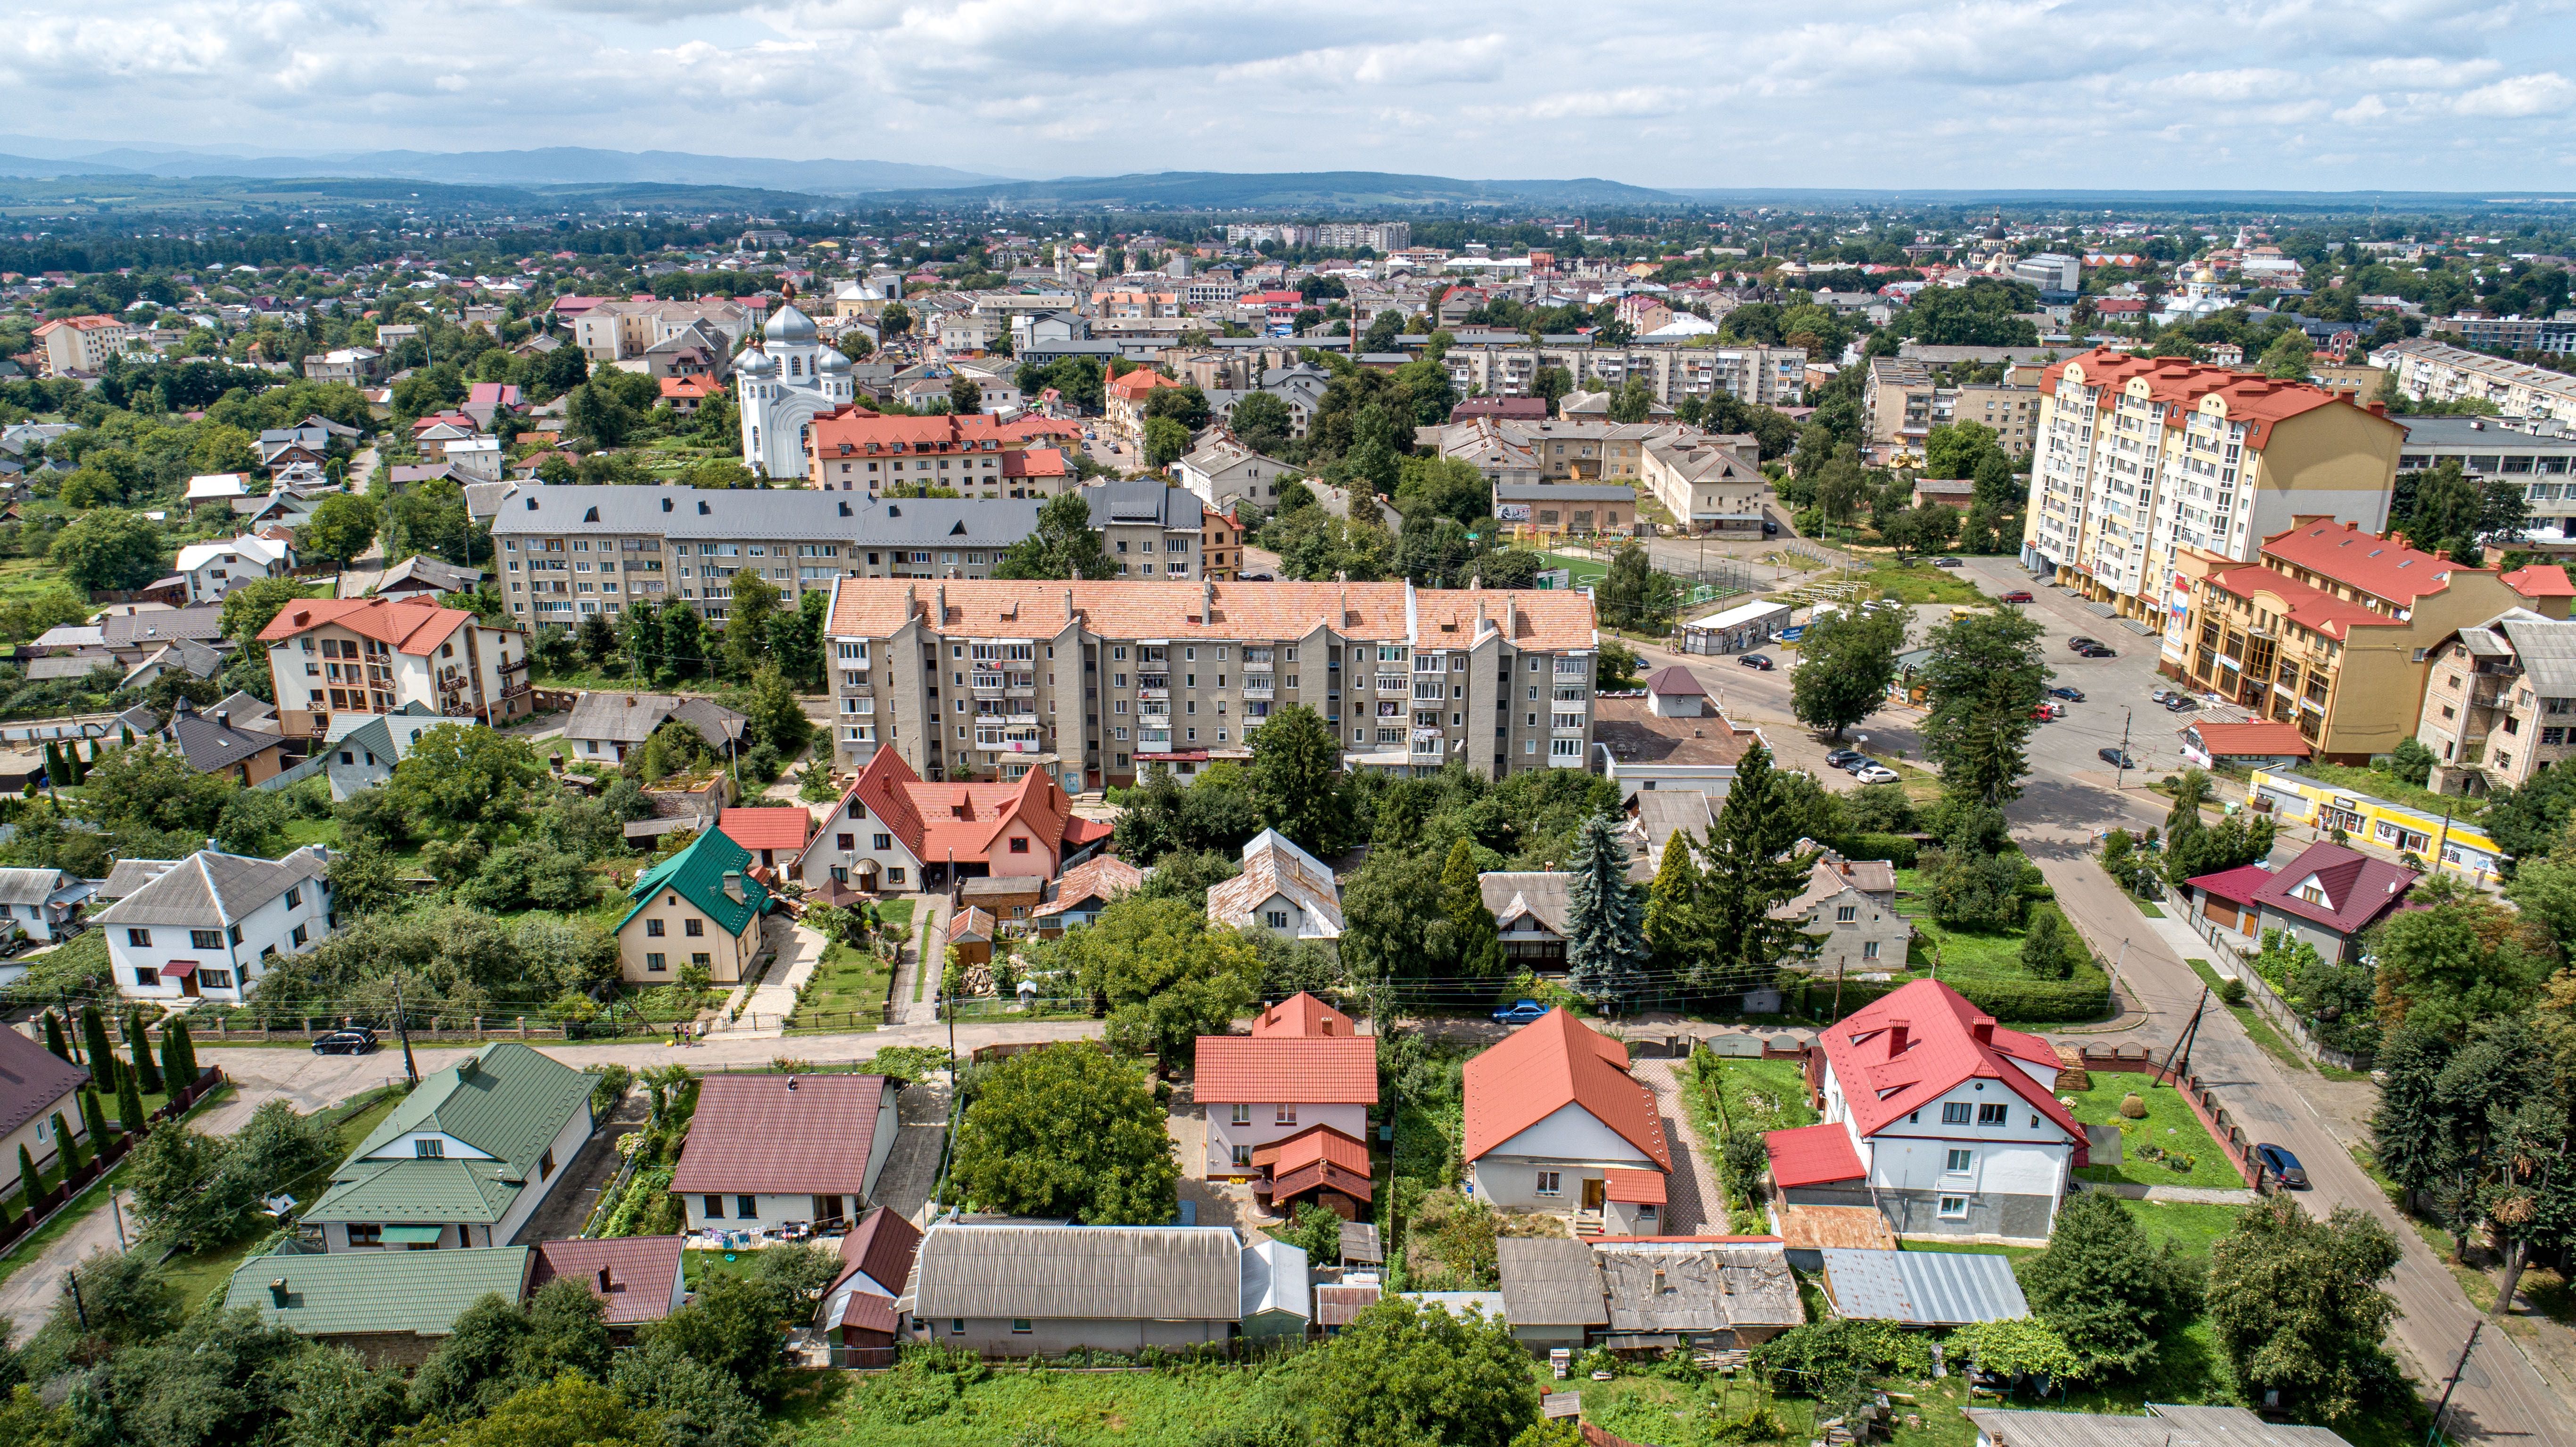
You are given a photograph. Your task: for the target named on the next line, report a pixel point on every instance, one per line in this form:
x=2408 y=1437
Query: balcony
x=1153 y=738
x=1257 y=685
x=1394 y=682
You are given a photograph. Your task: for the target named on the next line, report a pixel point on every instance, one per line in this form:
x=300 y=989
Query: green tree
x=1632 y=403
x=102 y=1056
x=754 y=603
x=108 y=550
x=570 y=1411
x=1166 y=442
x=1061 y=546
x=2459 y=959
x=179 y=1059
x=1605 y=923
x=2052 y=950
x=1184 y=404
x=1165 y=976
x=2290 y=357
x=250 y=607
x=1985 y=677
x=1752 y=864
x=1068 y=1131
x=1475 y=946
x=1847 y=662
x=1262 y=422
x=218 y=1379
x=55 y=1040
x=1633 y=595
x=147 y=786
x=965 y=398
x=334 y=1399
x=341 y=527
x=2447 y=512
x=2106 y=1291
x=1405 y=1375
x=2297 y=1307
x=1297 y=775
x=1676 y=924
x=31 y=1185
x=464 y=780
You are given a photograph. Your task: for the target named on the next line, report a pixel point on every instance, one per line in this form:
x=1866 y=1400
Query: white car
x=1874 y=774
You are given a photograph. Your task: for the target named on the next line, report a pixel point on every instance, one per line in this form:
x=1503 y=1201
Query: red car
x=2018 y=595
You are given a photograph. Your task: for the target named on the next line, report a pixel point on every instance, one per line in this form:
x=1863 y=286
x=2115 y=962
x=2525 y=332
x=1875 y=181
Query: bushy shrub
x=1897 y=849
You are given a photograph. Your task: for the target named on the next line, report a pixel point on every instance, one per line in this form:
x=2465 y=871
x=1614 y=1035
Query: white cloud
x=2523 y=95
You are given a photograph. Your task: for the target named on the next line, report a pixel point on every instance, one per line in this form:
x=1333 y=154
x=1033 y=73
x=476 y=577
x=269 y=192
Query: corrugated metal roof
x=1551 y=1281
x=1923 y=1288
x=1114 y=1273
x=349 y=1292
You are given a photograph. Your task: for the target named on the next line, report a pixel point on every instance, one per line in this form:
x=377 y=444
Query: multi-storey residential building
x=1221 y=472
x=81 y=344
x=2500 y=700
x=2011 y=412
x=1108 y=679
x=2521 y=334
x=615 y=331
x=1773 y=376
x=2329 y=628
x=1154 y=531
x=2435 y=371
x=570 y=551
x=2139 y=458
x=1124 y=399
x=230 y=915
x=1904 y=401
x=854 y=451
x=1378 y=236
x=1513 y=451
x=376 y=655
x=2537 y=455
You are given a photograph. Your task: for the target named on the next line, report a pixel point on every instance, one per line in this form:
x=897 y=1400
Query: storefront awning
x=412 y=1235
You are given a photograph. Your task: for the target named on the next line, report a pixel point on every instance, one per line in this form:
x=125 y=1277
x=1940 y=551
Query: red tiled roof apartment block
x=1947 y=1123
x=2329 y=629
x=376 y=655
x=1300 y=1067
x=1096 y=682
x=857 y=451
x=892 y=830
x=765 y=1151
x=1551 y=1111
x=2139 y=458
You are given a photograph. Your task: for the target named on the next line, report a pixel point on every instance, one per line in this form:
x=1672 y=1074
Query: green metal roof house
x=701 y=906
x=391 y=1307
x=464 y=1160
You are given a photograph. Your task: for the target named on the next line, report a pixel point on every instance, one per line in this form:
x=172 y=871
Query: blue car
x=1520 y=1012
x=2283 y=1166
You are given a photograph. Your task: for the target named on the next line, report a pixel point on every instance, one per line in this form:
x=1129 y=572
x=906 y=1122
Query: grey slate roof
x=2545 y=647
x=130 y=875
x=195 y=659
x=30 y=886
x=1145 y=502
x=422 y=571
x=58 y=666
x=1923 y=1288
x=752 y=514
x=1564 y=492
x=1551 y=1281
x=1545 y=894
x=2170 y=1426
x=203 y=624
x=1112 y=1273
x=630 y=718
x=209 y=745
x=1699 y=1287
x=210 y=886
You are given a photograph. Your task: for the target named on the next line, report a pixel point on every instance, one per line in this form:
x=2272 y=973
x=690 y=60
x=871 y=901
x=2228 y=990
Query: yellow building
x=2328 y=628
x=699 y=907
x=2138 y=459
x=2465 y=849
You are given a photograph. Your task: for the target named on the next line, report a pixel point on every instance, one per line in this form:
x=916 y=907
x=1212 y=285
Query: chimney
x=1207 y=601
x=1982 y=1029
x=607 y=1282
x=791 y=1082
x=1897 y=1031
x=733 y=891
x=277 y=1292
x=2378 y=409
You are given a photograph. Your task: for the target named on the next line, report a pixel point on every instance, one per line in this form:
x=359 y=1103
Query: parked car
x=1875 y=774
x=358 y=1040
x=2018 y=595
x=2181 y=703
x=2049 y=711
x=2160 y=694
x=2071 y=695
x=2079 y=643
x=1755 y=660
x=1945 y=562
x=2096 y=651
x=1845 y=758
x=1770 y=529
x=2115 y=758
x=1520 y=1012
x=2283 y=1166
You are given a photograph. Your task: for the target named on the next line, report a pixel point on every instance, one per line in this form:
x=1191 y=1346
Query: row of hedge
x=2085 y=997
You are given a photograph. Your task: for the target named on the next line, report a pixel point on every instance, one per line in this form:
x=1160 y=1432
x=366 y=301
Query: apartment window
x=884 y=841
x=1869 y=950
x=715 y=1212
x=295 y=898
x=205 y=939
x=1955 y=1113
x=956 y=1326
x=1990 y=1115
x=1845 y=914
x=1243 y=1157
x=1551 y=1183
x=1287 y=1115
x=298 y=935
x=1020 y=1326
x=1960 y=1161
x=747 y=1207
x=1276 y=919
x=693 y=928
x=1243 y=1115
x=140 y=938
x=1019 y=845
x=430 y=1149
x=653 y=928
x=1954 y=1208
x=703 y=959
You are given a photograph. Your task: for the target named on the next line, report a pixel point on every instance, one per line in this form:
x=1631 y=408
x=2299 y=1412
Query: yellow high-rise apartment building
x=2138 y=458
x=2330 y=626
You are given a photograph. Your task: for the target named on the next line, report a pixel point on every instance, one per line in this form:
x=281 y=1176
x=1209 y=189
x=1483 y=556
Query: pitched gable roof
x=882 y=787
x=1551 y=1063
x=1274 y=866
x=881 y=1248
x=411 y=625
x=350 y=1292
x=212 y=887
x=32 y=1078
x=767 y=826
x=2355 y=890
x=640 y=1272
x=698 y=875
x=1947 y=1042
x=506 y=1100
x=1097 y=880
x=781 y=1134
x=1303 y=1016
x=1287 y=1069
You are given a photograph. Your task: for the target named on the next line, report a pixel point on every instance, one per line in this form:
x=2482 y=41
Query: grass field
x=1921 y=583
x=1585 y=571
x=1987 y=954
x=2256 y=1027
x=2169 y=1126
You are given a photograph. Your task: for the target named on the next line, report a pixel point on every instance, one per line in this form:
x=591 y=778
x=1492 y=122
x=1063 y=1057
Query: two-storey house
x=1554 y=1122
x=1303 y=1067
x=891 y=830
x=208 y=926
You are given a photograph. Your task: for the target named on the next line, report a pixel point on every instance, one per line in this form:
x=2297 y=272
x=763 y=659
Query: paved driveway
x=1693 y=1204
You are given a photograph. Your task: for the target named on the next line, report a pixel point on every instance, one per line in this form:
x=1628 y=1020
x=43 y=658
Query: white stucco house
x=1282 y=889
x=1945 y=1122
x=1304 y=1065
x=214 y=569
x=207 y=926
x=1555 y=1122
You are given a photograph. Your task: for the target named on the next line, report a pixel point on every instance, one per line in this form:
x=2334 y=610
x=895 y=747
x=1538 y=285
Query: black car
x=2115 y=758
x=2070 y=695
x=2181 y=703
x=2079 y=643
x=1755 y=660
x=2283 y=1166
x=1770 y=529
x=2095 y=650
x=1845 y=758
x=357 y=1041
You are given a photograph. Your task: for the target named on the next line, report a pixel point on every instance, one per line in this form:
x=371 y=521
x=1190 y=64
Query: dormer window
x=431 y=1149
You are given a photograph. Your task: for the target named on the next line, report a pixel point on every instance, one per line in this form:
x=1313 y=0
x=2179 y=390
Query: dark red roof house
x=2326 y=897
x=638 y=1278
x=770 y=1151
x=876 y=1262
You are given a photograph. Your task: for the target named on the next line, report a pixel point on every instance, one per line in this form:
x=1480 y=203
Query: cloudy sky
x=2429 y=94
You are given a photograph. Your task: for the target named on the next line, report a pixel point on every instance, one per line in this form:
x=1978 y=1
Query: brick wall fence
x=2136 y=1060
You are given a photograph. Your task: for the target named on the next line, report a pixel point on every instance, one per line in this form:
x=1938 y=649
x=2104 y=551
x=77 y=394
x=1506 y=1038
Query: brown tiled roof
x=641 y=1270
x=781 y=1134
x=1635 y=735
x=881 y=1246
x=994 y=608
x=1103 y=878
x=32 y=1078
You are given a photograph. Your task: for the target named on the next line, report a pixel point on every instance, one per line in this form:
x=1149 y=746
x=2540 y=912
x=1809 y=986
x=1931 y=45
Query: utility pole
x=402 y=1028
x=2434 y=1432
x=2120 y=776
x=2182 y=1042
x=71 y=1280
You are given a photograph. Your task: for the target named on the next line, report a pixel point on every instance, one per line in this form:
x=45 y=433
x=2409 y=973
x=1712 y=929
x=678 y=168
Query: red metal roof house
x=1552 y=1112
x=1301 y=1067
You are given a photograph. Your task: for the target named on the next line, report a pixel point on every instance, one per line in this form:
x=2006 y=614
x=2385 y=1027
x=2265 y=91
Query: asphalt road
x=2069 y=798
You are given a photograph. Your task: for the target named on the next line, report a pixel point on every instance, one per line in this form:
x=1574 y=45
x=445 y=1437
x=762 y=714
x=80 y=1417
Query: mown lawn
x=2169 y=1127
x=848 y=980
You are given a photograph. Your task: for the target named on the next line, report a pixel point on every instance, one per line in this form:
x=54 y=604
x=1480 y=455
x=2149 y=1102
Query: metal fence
x=297 y=775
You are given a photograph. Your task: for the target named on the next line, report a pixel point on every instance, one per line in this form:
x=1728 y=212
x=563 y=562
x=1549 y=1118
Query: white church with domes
x=784 y=381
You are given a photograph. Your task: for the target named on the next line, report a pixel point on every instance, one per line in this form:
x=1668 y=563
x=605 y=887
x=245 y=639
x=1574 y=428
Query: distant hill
x=1311 y=190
